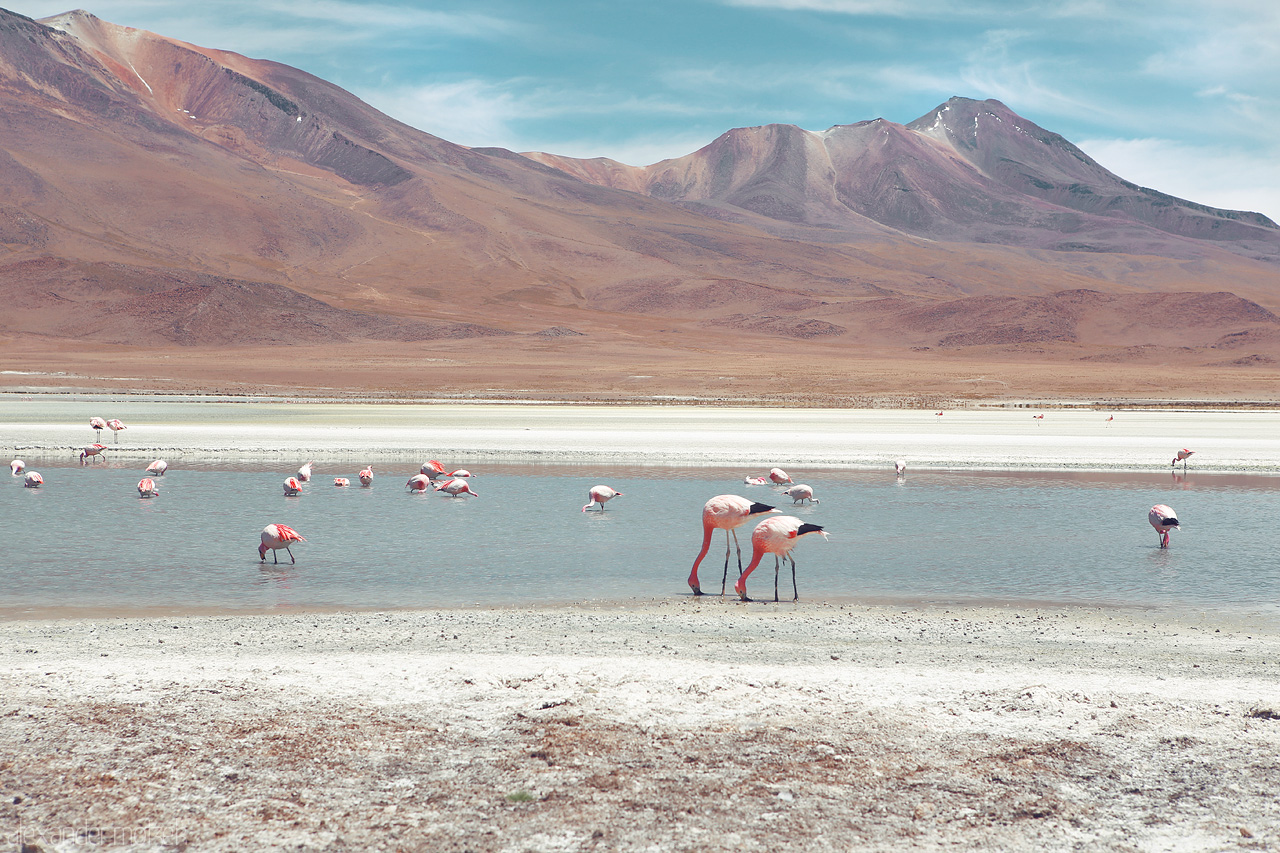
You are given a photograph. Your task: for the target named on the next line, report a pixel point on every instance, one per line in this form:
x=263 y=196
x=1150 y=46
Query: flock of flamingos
x=776 y=534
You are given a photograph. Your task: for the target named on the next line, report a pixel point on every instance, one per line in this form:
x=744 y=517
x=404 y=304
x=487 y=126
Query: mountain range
x=161 y=197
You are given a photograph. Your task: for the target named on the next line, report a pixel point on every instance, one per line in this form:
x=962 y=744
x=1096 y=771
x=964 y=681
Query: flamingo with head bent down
x=727 y=513
x=158 y=467
x=1163 y=519
x=276 y=537
x=455 y=487
x=33 y=480
x=16 y=467
x=292 y=488
x=418 y=483
x=598 y=495
x=147 y=488
x=366 y=476
x=93 y=451
x=776 y=536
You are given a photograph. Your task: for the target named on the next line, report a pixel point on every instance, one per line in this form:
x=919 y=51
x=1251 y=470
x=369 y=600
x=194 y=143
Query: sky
x=1182 y=96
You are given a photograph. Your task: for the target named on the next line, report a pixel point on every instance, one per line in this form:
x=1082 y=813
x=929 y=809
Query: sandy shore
x=677 y=725
x=49 y=428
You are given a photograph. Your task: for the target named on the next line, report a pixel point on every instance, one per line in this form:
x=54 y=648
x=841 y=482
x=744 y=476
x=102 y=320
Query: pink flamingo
x=456 y=486
x=776 y=536
x=1181 y=457
x=98 y=425
x=341 y=481
x=1163 y=519
x=1110 y=419
x=366 y=476
x=93 y=451
x=755 y=481
x=461 y=472
x=777 y=475
x=158 y=467
x=801 y=492
x=115 y=426
x=727 y=513
x=16 y=467
x=33 y=480
x=599 y=495
x=292 y=488
x=900 y=468
x=1038 y=417
x=275 y=537
x=418 y=483
x=147 y=488
x=304 y=473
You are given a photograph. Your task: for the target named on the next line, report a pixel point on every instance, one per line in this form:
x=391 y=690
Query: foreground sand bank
x=683 y=725
x=47 y=428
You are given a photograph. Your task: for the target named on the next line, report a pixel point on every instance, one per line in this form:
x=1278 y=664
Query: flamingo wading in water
x=1163 y=519
x=727 y=513
x=802 y=492
x=598 y=495
x=16 y=467
x=93 y=451
x=455 y=487
x=418 y=483
x=158 y=468
x=777 y=475
x=776 y=536
x=900 y=468
x=366 y=476
x=304 y=473
x=292 y=488
x=275 y=537
x=147 y=488
x=1181 y=457
x=33 y=480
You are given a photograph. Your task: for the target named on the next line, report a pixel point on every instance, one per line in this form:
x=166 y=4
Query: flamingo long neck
x=707 y=532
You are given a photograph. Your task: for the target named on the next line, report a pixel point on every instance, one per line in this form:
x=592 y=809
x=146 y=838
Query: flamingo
x=418 y=483
x=1181 y=457
x=292 y=487
x=434 y=469
x=1038 y=417
x=158 y=467
x=598 y=495
x=461 y=472
x=366 y=476
x=1110 y=419
x=801 y=492
x=147 y=488
x=755 y=481
x=776 y=536
x=33 y=480
x=900 y=468
x=456 y=486
x=115 y=426
x=777 y=475
x=16 y=467
x=304 y=473
x=92 y=451
x=1163 y=519
x=341 y=481
x=98 y=425
x=275 y=537
x=727 y=513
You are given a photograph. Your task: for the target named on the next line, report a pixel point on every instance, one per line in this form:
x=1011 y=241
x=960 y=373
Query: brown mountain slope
x=155 y=193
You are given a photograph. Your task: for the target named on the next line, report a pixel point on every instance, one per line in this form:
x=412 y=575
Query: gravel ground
x=692 y=724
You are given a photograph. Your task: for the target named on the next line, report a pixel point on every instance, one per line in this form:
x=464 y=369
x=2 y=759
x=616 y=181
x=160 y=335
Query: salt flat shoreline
x=45 y=428
x=689 y=724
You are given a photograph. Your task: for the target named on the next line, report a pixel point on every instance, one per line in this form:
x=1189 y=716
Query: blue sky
x=1177 y=95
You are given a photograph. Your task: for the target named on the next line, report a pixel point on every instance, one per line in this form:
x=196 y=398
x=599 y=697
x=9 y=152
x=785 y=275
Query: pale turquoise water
x=87 y=540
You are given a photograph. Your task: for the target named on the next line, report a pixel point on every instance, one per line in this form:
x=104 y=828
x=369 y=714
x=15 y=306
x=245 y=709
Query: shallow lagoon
x=86 y=540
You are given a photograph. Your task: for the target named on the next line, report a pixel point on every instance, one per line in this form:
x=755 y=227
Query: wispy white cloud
x=1230 y=179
